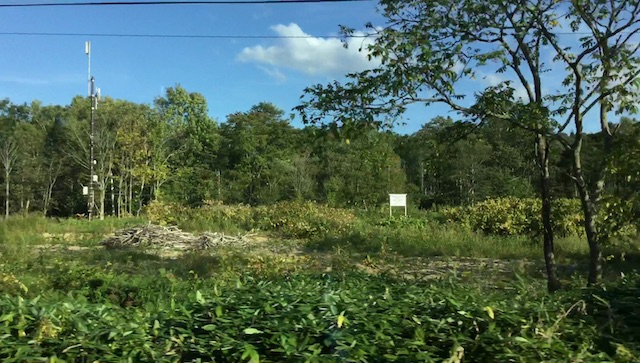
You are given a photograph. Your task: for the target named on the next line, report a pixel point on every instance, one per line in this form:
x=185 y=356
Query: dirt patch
x=62 y=247
x=173 y=243
x=486 y=269
x=62 y=237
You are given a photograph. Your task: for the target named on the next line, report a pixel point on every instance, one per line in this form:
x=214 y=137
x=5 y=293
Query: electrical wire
x=192 y=36
x=147 y=3
x=209 y=36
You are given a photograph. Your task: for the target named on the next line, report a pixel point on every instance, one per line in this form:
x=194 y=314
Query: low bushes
x=304 y=219
x=321 y=318
x=291 y=219
x=514 y=216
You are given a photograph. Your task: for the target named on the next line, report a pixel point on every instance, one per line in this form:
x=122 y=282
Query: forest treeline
x=173 y=151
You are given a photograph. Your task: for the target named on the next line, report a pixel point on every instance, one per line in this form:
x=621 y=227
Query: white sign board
x=398 y=200
x=85 y=190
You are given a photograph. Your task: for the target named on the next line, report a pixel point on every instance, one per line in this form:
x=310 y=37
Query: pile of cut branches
x=154 y=236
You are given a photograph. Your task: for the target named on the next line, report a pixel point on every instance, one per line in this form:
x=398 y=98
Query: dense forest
x=173 y=151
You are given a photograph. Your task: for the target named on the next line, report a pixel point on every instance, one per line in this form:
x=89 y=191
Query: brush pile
x=154 y=236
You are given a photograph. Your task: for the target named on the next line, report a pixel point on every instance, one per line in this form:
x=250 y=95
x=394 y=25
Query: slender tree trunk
x=542 y=148
x=589 y=210
x=142 y=185
x=49 y=195
x=130 y=194
x=103 y=197
x=219 y=186
x=47 y=199
x=21 y=192
x=113 y=198
x=120 y=195
x=589 y=207
x=156 y=190
x=422 y=189
x=6 y=191
x=51 y=182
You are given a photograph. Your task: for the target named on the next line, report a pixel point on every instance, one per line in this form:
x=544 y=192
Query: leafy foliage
x=304 y=219
x=290 y=219
x=311 y=318
x=513 y=216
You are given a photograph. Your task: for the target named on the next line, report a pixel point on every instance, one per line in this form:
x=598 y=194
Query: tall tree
x=195 y=142
x=133 y=137
x=426 y=49
x=453 y=165
x=8 y=157
x=360 y=172
x=257 y=151
x=31 y=136
x=622 y=204
x=54 y=157
x=602 y=73
x=160 y=140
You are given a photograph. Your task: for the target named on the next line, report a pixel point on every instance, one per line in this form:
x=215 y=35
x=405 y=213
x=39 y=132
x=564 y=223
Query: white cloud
x=261 y=12
x=312 y=56
x=494 y=79
x=55 y=79
x=457 y=67
x=521 y=93
x=274 y=73
x=24 y=81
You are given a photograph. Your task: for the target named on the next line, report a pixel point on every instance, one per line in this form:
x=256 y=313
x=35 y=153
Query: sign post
x=397 y=200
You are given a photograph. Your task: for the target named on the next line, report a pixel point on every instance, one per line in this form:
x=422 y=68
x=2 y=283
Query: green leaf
x=7 y=317
x=249 y=351
x=251 y=331
x=199 y=297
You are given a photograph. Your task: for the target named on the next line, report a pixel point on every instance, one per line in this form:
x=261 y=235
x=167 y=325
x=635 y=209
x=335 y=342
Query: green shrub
x=325 y=318
x=514 y=216
x=403 y=222
x=9 y=284
x=165 y=213
x=304 y=219
x=291 y=219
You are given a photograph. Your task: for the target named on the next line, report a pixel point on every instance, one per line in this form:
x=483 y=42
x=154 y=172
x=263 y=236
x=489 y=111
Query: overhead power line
x=207 y=36
x=194 y=36
x=146 y=3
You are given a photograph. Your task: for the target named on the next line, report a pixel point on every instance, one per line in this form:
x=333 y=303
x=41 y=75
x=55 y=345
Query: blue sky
x=54 y=69
x=233 y=74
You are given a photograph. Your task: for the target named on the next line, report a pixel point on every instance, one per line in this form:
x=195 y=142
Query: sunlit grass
x=37 y=230
x=443 y=240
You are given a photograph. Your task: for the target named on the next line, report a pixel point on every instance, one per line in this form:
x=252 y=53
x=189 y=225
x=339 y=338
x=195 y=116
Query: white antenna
x=87 y=51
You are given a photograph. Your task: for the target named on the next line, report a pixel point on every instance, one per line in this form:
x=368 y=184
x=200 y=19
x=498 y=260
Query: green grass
x=203 y=225
x=36 y=230
x=442 y=240
x=100 y=311
x=232 y=305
